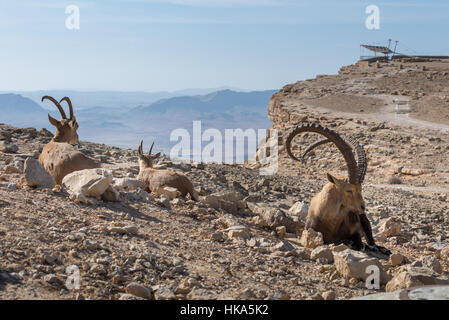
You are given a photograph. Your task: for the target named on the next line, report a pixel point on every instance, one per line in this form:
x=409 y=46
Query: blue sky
x=154 y=45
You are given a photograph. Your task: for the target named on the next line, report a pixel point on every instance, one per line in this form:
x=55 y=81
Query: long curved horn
x=335 y=138
x=67 y=99
x=64 y=116
x=313 y=146
x=151 y=149
x=362 y=163
x=140 y=148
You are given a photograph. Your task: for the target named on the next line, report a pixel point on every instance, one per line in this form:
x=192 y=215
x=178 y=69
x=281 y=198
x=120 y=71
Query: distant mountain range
x=18 y=110
x=122 y=123
x=111 y=99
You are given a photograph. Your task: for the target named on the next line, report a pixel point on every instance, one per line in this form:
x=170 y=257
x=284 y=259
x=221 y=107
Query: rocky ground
x=244 y=239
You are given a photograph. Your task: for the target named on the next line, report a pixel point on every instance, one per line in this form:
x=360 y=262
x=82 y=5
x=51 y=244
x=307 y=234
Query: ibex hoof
x=375 y=248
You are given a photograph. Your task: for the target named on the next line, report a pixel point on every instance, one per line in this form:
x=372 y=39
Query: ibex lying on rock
x=158 y=178
x=59 y=157
x=338 y=211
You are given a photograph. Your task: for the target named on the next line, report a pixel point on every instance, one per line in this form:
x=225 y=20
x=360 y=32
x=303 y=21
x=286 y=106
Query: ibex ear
x=53 y=121
x=332 y=179
x=157 y=155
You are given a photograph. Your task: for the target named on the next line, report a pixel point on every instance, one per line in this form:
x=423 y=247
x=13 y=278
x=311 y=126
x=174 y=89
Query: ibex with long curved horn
x=59 y=157
x=338 y=210
x=158 y=178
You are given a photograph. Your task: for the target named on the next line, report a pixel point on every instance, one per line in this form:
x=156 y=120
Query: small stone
x=444 y=254
x=238 y=232
x=432 y=263
x=164 y=293
x=12 y=186
x=53 y=280
x=281 y=231
x=390 y=228
x=7 y=147
x=169 y=192
x=127 y=296
x=79 y=296
x=164 y=202
x=283 y=246
x=144 y=195
x=10 y=169
x=201 y=294
x=396 y=259
x=132 y=230
x=329 y=295
x=279 y=295
x=218 y=236
x=339 y=248
x=316 y=296
x=139 y=290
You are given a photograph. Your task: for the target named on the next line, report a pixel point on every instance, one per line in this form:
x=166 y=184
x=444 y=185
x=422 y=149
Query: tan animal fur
x=158 y=178
x=338 y=210
x=58 y=156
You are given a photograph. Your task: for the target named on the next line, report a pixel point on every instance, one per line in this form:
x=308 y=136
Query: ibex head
x=146 y=160
x=351 y=194
x=66 y=129
x=350 y=189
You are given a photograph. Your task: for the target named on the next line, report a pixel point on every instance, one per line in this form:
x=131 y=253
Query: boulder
x=353 y=264
x=168 y=192
x=88 y=182
x=111 y=195
x=414 y=277
x=322 y=252
x=300 y=210
x=229 y=201
x=311 y=239
x=128 y=184
x=273 y=217
x=36 y=175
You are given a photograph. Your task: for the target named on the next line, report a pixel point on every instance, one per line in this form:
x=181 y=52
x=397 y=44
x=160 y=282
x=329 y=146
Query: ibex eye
x=349 y=191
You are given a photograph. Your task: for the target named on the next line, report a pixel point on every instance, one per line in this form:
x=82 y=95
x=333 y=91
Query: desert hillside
x=244 y=239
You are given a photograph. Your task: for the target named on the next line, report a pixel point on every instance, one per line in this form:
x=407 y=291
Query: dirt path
x=412 y=188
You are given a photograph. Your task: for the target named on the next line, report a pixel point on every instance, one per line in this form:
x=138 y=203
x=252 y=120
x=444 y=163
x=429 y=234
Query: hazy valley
x=123 y=119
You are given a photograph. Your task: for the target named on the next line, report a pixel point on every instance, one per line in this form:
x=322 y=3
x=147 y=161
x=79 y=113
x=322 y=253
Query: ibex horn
x=67 y=99
x=335 y=138
x=64 y=116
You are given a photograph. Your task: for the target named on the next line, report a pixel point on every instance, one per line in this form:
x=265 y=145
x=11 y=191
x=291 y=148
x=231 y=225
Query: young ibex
x=338 y=211
x=59 y=157
x=158 y=178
